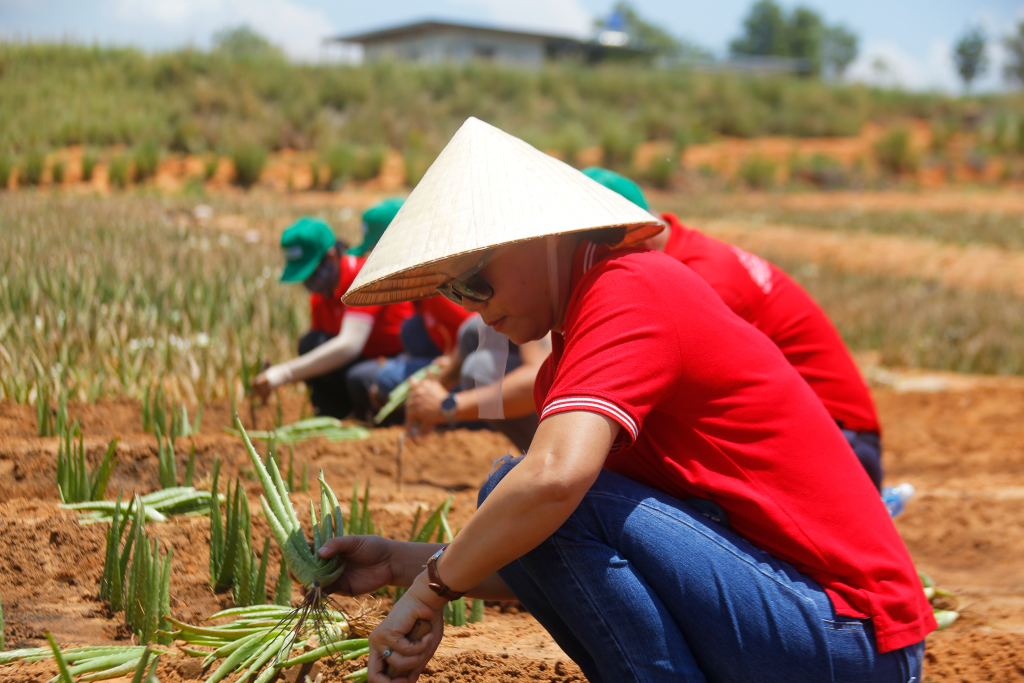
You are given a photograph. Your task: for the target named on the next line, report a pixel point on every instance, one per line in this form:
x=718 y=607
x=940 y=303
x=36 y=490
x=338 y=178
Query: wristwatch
x=448 y=408
x=436 y=584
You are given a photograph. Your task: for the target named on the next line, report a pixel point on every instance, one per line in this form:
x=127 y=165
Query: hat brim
x=298 y=272
x=421 y=281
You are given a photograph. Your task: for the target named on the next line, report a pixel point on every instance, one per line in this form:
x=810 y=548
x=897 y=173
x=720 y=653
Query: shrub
x=119 y=173
x=341 y=160
x=894 y=153
x=210 y=166
x=820 y=170
x=57 y=171
x=757 y=172
x=416 y=165
x=368 y=163
x=89 y=161
x=660 y=171
x=6 y=167
x=617 y=144
x=32 y=168
x=249 y=160
x=569 y=141
x=147 y=158
x=942 y=132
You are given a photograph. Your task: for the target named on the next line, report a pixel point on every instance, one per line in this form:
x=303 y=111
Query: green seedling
x=135 y=577
x=261 y=639
x=94 y=663
x=74 y=481
x=327 y=427
x=156 y=506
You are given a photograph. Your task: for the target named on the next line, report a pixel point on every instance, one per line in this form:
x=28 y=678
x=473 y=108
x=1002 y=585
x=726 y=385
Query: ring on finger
x=387 y=653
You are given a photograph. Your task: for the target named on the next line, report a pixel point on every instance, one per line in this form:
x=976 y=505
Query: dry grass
x=994 y=228
x=916 y=323
x=108 y=295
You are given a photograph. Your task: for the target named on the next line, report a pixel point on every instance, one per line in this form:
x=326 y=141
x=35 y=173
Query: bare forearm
x=408 y=561
x=533 y=500
x=332 y=354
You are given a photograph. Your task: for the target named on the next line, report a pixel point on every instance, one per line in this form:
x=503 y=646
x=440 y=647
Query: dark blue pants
x=867 y=446
x=328 y=393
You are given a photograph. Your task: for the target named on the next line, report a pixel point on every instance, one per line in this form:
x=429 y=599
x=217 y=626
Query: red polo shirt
x=709 y=408
x=772 y=302
x=442 y=318
x=326 y=314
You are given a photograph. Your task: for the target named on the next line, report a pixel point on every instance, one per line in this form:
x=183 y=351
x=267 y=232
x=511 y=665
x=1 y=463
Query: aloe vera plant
x=309 y=568
x=328 y=427
x=95 y=663
x=400 y=393
x=135 y=577
x=161 y=417
x=74 y=481
x=156 y=506
x=232 y=561
x=260 y=641
x=936 y=597
x=166 y=466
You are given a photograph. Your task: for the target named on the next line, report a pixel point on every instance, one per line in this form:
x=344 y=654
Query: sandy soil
x=958 y=443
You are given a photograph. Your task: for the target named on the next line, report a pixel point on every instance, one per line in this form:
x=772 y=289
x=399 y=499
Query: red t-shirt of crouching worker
x=709 y=407
x=772 y=302
x=327 y=313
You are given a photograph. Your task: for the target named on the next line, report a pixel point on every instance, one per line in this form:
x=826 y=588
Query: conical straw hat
x=485 y=189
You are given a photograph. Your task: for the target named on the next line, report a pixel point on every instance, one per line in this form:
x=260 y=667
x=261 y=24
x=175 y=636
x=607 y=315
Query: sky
x=913 y=38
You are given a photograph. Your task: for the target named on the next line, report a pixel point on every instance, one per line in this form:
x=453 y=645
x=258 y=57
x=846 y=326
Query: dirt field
x=959 y=446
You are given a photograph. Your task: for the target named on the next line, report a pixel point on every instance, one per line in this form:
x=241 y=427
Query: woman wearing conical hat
x=673 y=518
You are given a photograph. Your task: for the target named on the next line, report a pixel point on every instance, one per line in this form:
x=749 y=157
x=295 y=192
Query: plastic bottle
x=896 y=497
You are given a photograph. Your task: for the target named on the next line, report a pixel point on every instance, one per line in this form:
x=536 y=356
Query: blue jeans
x=867 y=446
x=640 y=586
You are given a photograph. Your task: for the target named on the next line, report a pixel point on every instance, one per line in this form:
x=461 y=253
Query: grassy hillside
x=54 y=95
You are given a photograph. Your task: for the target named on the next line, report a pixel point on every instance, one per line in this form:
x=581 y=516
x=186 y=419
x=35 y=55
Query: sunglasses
x=468 y=285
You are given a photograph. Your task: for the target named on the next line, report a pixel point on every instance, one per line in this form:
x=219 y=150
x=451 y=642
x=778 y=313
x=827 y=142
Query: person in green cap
x=340 y=337
x=376 y=220
x=767 y=298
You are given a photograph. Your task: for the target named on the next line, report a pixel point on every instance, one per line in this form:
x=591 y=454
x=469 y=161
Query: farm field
x=925 y=287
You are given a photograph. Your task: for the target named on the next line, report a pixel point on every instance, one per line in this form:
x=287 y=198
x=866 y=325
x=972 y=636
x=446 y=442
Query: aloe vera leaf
x=99 y=487
x=945 y=618
x=65 y=676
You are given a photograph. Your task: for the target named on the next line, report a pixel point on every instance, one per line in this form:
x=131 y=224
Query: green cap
x=304 y=244
x=618 y=183
x=376 y=220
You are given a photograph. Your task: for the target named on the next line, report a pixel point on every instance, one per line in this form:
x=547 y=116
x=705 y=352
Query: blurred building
x=433 y=42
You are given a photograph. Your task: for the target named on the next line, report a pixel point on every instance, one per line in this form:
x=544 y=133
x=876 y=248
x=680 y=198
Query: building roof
x=431 y=26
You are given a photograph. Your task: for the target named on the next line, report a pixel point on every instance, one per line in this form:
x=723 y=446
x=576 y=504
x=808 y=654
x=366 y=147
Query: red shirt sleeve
x=594 y=374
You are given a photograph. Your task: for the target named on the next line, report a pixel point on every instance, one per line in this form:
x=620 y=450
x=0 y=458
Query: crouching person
x=451 y=398
x=339 y=337
x=687 y=510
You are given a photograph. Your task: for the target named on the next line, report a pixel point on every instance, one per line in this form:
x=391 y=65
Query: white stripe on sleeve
x=589 y=403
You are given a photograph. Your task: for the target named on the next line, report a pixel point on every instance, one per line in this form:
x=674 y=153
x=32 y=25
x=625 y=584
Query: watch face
x=448 y=404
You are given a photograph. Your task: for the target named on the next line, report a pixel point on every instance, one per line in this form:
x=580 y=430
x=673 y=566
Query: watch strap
x=436 y=584
x=449 y=408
